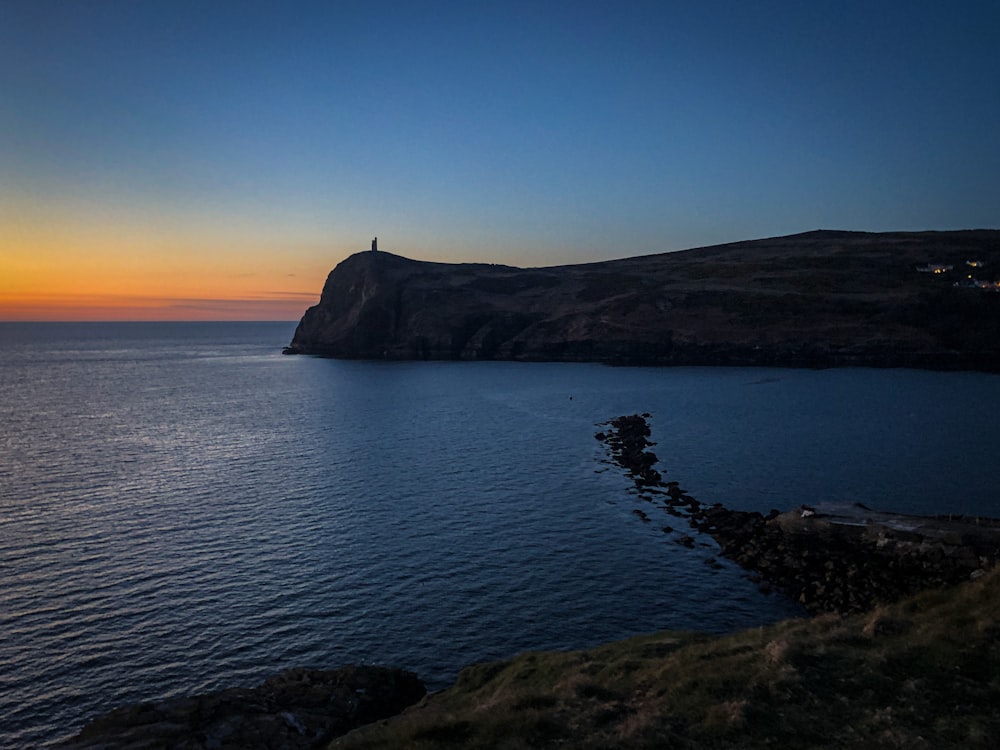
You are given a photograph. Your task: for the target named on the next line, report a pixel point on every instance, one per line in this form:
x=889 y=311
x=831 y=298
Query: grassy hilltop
x=922 y=673
x=822 y=298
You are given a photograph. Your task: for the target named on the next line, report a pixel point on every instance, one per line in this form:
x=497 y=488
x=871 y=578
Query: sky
x=215 y=160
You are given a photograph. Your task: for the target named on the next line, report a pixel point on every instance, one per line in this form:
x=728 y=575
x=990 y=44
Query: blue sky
x=530 y=133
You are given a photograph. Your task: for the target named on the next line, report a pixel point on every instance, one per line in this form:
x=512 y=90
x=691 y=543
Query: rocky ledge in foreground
x=817 y=299
x=840 y=559
x=300 y=708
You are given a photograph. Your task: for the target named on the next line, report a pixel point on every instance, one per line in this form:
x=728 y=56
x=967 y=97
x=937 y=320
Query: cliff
x=821 y=298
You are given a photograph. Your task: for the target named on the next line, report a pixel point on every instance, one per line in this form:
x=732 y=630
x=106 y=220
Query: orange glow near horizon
x=73 y=273
x=94 y=294
x=133 y=308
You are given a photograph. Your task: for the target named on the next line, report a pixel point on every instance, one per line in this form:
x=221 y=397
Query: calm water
x=184 y=509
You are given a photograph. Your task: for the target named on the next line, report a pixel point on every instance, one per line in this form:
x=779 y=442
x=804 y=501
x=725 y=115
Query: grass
x=922 y=673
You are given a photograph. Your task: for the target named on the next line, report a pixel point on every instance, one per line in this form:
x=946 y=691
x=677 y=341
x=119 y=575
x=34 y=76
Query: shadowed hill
x=821 y=298
x=923 y=673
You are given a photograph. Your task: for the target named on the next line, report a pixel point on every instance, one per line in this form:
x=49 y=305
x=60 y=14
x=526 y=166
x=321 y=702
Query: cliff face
x=815 y=299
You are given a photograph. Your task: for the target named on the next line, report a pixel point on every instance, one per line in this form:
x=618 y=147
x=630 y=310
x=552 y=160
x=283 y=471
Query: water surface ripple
x=183 y=509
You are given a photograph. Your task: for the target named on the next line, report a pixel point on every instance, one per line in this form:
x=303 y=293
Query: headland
x=818 y=299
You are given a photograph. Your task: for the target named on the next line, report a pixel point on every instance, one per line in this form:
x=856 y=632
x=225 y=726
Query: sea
x=184 y=509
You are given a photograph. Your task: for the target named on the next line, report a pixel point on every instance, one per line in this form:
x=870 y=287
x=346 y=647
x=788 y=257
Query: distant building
x=935 y=268
x=375 y=245
x=975 y=263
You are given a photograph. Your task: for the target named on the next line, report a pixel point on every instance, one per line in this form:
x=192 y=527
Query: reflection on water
x=184 y=509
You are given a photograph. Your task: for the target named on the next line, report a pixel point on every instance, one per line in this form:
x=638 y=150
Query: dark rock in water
x=830 y=559
x=817 y=299
x=300 y=708
x=847 y=558
x=628 y=442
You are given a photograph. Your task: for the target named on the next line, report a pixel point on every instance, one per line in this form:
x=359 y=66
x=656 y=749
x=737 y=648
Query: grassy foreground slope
x=922 y=673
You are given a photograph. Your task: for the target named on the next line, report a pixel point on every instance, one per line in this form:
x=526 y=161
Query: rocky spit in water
x=842 y=559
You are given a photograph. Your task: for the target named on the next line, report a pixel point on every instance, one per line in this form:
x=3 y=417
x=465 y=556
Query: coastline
x=846 y=561
x=830 y=558
x=818 y=299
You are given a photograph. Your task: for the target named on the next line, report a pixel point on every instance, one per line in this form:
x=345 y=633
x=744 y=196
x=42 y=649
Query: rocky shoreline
x=842 y=559
x=299 y=708
x=830 y=559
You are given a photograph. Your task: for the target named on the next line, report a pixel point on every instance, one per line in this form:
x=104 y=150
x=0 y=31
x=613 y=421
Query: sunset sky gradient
x=214 y=160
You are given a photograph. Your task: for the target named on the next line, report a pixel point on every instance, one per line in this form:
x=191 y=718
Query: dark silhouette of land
x=818 y=299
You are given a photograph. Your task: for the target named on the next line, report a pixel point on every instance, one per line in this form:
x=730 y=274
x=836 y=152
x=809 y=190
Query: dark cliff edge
x=819 y=299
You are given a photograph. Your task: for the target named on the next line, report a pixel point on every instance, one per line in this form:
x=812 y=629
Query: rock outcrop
x=816 y=299
x=300 y=708
x=842 y=559
x=851 y=559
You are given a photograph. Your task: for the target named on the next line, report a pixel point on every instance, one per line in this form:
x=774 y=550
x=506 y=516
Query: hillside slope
x=816 y=299
x=923 y=673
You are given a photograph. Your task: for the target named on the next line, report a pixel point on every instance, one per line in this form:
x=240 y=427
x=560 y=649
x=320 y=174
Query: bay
x=182 y=508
